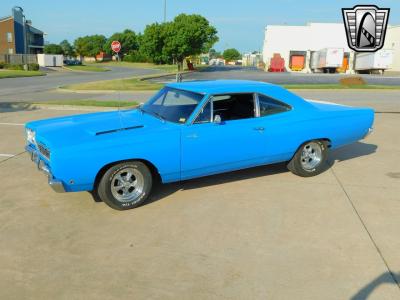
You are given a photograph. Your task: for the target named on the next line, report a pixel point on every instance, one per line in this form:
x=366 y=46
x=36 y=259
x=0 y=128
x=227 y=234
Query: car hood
x=77 y=128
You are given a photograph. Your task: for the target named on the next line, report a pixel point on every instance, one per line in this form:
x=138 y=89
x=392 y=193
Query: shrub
x=14 y=67
x=136 y=56
x=33 y=67
x=2 y=64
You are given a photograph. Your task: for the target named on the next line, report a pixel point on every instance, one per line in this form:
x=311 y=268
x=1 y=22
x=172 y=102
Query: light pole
x=165 y=11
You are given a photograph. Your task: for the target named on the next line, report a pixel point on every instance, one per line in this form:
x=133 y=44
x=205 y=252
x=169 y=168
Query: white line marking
x=7 y=155
x=13 y=124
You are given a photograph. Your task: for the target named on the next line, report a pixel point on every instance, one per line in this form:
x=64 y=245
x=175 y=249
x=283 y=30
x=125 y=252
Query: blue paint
x=183 y=151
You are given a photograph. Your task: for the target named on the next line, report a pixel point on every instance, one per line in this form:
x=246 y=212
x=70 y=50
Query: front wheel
x=125 y=185
x=309 y=159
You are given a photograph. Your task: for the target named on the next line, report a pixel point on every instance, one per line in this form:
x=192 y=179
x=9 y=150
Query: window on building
x=10 y=51
x=270 y=106
x=9 y=37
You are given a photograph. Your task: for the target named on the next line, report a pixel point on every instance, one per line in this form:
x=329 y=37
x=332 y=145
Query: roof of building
x=5 y=18
x=35 y=30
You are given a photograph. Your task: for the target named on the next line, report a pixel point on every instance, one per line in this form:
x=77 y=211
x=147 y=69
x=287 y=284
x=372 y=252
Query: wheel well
x=326 y=140
x=153 y=170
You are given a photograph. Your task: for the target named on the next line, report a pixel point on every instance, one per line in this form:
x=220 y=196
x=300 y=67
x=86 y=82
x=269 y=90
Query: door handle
x=192 y=136
x=260 y=129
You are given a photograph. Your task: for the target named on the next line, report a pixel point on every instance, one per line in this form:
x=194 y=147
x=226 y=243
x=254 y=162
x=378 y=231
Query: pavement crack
x=392 y=274
x=14 y=156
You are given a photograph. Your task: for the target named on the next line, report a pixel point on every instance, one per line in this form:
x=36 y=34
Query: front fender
x=77 y=166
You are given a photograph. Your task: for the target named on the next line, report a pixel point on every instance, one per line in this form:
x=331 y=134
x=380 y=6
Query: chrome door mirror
x=217 y=119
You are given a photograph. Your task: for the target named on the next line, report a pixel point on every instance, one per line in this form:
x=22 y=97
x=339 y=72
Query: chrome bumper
x=370 y=131
x=55 y=184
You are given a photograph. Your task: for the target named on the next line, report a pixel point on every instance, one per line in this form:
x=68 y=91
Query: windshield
x=172 y=105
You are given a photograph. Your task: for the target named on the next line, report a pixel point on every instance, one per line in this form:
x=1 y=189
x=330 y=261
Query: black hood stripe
x=119 y=129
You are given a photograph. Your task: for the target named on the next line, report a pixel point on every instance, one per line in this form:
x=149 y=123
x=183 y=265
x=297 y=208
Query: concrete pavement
x=260 y=233
x=25 y=88
x=247 y=73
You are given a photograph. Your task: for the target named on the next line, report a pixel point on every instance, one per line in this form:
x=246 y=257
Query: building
x=296 y=44
x=301 y=41
x=18 y=36
x=392 y=41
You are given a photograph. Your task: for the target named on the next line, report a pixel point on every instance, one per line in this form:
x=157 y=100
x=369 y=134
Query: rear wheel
x=125 y=185
x=309 y=159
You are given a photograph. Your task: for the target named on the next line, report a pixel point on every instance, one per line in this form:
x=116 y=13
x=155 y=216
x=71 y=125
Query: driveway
x=260 y=233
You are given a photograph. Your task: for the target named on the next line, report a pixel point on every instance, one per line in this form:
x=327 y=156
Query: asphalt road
x=27 y=88
x=260 y=233
x=247 y=73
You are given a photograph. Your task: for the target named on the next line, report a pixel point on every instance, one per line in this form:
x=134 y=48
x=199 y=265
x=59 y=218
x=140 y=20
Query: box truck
x=374 y=61
x=327 y=60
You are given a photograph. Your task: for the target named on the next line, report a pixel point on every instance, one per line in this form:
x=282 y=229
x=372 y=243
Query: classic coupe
x=189 y=130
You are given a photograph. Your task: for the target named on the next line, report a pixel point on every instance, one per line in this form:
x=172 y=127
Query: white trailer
x=374 y=61
x=327 y=60
x=50 y=60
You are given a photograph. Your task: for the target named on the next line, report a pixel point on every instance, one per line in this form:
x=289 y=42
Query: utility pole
x=165 y=11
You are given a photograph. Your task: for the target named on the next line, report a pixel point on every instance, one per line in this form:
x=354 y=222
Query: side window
x=234 y=106
x=270 y=106
x=205 y=114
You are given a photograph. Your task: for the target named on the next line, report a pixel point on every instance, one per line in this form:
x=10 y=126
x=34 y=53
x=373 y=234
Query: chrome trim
x=370 y=131
x=56 y=185
x=256 y=105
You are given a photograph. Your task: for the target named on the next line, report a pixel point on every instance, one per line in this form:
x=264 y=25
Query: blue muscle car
x=189 y=130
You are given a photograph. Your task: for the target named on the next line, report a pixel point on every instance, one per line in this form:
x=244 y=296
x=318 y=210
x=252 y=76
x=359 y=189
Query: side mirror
x=217 y=119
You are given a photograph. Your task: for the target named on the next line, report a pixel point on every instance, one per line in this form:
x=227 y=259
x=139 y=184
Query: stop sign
x=116 y=46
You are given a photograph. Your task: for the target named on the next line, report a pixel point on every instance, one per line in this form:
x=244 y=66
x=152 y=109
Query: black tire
x=113 y=198
x=298 y=165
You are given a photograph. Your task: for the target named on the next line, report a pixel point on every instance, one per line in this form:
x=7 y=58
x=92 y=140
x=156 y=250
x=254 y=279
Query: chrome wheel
x=311 y=156
x=127 y=185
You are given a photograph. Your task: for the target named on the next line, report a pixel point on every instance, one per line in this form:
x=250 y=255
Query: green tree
x=127 y=38
x=188 y=35
x=67 y=48
x=231 y=54
x=152 y=43
x=53 y=49
x=90 y=45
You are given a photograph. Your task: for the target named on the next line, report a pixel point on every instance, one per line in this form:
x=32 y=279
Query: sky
x=240 y=24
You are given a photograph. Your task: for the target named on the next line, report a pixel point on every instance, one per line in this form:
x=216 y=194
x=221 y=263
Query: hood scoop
x=119 y=129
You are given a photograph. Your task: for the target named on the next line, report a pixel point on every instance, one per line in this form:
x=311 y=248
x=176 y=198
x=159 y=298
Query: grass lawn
x=340 y=87
x=87 y=68
x=164 y=68
x=15 y=73
x=130 y=84
x=90 y=102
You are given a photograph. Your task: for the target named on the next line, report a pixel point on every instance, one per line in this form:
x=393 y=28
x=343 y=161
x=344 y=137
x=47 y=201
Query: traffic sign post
x=116 y=47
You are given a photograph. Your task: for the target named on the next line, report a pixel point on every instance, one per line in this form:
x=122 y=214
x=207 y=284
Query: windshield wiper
x=158 y=116
x=153 y=113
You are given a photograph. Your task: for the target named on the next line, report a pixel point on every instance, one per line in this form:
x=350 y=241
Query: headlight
x=30 y=136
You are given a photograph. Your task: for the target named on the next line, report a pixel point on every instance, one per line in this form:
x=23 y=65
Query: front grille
x=44 y=151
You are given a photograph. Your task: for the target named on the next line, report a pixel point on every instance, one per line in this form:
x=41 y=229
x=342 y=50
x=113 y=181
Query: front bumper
x=55 y=184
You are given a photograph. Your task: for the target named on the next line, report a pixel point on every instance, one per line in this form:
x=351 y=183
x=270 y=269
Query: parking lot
x=261 y=233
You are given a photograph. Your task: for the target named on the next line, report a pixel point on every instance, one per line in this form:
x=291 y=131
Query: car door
x=210 y=147
x=279 y=138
